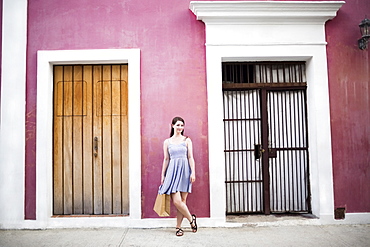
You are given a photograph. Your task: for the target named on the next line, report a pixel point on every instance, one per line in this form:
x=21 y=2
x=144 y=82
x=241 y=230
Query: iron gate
x=266 y=146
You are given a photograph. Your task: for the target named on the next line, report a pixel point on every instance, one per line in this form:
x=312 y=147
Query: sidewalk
x=304 y=235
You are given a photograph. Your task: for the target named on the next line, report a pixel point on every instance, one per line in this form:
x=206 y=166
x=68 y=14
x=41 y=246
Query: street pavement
x=249 y=235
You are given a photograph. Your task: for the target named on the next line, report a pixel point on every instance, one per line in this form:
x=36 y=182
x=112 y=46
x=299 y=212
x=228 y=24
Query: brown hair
x=174 y=121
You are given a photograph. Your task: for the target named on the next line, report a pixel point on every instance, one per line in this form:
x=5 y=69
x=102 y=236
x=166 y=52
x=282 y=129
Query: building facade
x=275 y=95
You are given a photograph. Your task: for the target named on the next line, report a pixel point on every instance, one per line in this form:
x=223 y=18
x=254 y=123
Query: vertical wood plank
x=97 y=130
x=58 y=141
x=67 y=141
x=77 y=114
x=107 y=139
x=88 y=141
x=90 y=101
x=124 y=140
x=116 y=140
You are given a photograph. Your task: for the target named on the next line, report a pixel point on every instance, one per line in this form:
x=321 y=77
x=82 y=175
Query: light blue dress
x=177 y=177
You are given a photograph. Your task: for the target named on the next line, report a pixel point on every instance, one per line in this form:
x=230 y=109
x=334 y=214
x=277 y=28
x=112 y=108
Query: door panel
x=77 y=111
x=288 y=136
x=97 y=140
x=242 y=131
x=87 y=135
x=67 y=142
x=90 y=139
x=58 y=193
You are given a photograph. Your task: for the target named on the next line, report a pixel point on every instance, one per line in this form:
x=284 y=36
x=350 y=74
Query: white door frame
x=44 y=143
x=270 y=31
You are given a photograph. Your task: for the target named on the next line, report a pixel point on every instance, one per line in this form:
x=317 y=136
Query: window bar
x=233 y=153
x=303 y=153
x=271 y=68
x=299 y=153
x=295 y=152
x=307 y=187
x=305 y=144
x=278 y=144
x=284 y=166
x=258 y=168
x=251 y=140
x=244 y=147
x=255 y=168
x=290 y=152
x=253 y=186
x=272 y=169
x=237 y=175
x=275 y=116
x=225 y=144
x=227 y=139
x=229 y=144
x=300 y=112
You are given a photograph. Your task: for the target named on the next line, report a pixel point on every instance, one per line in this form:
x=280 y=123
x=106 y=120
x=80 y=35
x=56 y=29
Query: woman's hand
x=162 y=179
x=192 y=178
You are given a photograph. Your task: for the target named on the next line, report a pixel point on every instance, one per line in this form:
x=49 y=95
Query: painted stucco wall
x=172 y=75
x=173 y=82
x=349 y=83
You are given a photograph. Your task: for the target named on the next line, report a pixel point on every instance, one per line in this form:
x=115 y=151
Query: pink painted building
x=275 y=95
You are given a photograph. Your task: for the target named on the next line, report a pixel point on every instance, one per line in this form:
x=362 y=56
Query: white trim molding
x=270 y=31
x=44 y=143
x=266 y=12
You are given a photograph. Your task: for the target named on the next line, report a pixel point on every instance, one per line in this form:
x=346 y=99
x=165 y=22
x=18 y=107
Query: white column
x=12 y=116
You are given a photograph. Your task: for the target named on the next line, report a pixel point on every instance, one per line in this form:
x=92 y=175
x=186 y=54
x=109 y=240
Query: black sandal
x=179 y=232
x=194 y=221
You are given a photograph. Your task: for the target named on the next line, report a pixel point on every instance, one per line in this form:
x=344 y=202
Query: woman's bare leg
x=180 y=216
x=179 y=200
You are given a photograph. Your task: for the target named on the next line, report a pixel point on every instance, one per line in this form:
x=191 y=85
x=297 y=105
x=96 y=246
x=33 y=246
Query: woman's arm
x=166 y=159
x=191 y=159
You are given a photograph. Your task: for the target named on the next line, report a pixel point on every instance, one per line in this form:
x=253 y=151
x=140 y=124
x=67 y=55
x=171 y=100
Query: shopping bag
x=162 y=205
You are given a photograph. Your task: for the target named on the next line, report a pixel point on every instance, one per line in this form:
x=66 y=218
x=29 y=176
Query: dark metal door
x=242 y=122
x=266 y=150
x=287 y=151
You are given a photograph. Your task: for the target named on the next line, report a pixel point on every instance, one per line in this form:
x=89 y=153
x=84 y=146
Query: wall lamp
x=365 y=32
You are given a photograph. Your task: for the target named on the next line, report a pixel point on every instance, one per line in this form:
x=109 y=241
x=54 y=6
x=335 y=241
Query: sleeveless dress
x=177 y=177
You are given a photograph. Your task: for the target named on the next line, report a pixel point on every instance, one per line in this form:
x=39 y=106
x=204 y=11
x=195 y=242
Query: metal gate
x=266 y=146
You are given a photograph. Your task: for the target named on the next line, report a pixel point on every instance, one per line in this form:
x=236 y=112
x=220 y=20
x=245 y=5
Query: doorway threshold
x=254 y=220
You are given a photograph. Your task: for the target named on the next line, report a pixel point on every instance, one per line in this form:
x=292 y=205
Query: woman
x=178 y=172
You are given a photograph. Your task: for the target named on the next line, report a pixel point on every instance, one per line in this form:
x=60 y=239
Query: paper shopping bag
x=162 y=205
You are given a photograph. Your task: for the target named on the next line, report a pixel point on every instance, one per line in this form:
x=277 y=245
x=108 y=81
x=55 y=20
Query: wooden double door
x=90 y=163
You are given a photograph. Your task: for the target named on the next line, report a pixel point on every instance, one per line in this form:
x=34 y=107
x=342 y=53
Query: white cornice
x=265 y=11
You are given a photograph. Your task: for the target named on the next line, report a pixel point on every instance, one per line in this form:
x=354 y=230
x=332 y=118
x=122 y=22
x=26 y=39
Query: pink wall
x=173 y=83
x=172 y=75
x=349 y=82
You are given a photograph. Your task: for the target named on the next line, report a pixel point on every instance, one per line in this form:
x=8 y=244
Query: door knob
x=96 y=146
x=258 y=151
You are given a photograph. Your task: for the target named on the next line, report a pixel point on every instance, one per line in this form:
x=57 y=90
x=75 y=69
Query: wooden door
x=90 y=168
